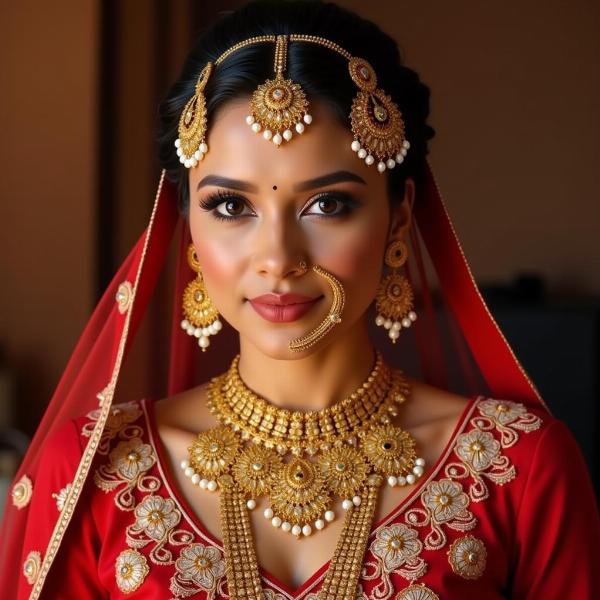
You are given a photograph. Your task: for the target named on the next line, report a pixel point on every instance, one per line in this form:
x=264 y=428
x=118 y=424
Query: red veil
x=456 y=338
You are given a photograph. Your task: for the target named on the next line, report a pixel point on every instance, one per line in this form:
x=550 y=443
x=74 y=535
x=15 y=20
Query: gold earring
x=394 y=300
x=201 y=316
x=333 y=317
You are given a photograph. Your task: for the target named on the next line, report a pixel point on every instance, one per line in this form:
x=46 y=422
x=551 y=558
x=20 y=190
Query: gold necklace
x=349 y=446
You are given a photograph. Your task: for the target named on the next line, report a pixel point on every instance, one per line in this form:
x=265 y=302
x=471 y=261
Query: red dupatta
x=91 y=377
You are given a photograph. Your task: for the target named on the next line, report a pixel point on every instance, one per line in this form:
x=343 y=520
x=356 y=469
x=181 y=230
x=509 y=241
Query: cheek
x=356 y=254
x=218 y=259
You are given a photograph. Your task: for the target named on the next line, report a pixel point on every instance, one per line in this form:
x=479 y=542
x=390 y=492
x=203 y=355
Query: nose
x=279 y=248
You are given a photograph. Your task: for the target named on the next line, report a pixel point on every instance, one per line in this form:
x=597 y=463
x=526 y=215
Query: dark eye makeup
x=333 y=205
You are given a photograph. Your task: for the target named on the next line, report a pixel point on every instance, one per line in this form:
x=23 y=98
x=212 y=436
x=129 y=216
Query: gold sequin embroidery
x=31 y=566
x=131 y=569
x=61 y=497
x=21 y=492
x=468 y=556
x=124 y=297
x=417 y=592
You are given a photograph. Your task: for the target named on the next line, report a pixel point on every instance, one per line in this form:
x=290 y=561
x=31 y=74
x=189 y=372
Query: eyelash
x=212 y=201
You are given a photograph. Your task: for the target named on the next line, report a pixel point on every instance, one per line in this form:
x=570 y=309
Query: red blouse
x=507 y=511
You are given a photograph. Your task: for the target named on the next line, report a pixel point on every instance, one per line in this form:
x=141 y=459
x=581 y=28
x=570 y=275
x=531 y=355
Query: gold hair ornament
x=191 y=143
x=279 y=108
x=334 y=316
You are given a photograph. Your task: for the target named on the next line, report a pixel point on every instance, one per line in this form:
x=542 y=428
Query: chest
x=293 y=561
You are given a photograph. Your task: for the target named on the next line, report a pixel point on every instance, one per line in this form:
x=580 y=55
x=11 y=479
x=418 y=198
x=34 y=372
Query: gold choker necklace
x=350 y=447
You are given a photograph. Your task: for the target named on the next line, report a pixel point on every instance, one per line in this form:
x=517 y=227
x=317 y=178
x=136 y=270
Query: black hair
x=322 y=73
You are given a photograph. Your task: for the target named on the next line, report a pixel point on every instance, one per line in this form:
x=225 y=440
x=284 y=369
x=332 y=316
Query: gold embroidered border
x=90 y=450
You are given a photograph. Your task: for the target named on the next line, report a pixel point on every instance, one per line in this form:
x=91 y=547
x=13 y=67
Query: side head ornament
x=279 y=108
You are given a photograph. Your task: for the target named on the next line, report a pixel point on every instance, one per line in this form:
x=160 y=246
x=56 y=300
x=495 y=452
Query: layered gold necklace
x=301 y=461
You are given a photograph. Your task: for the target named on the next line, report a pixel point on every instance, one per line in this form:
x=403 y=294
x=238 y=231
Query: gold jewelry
x=334 y=316
x=348 y=448
x=394 y=300
x=303 y=266
x=191 y=143
x=201 y=317
x=279 y=107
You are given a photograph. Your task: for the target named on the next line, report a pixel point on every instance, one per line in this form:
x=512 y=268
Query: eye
x=233 y=207
x=332 y=204
x=225 y=205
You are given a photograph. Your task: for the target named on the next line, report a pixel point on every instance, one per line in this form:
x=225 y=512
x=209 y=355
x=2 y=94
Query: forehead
x=236 y=151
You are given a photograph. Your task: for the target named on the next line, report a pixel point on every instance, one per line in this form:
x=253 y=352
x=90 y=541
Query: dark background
x=515 y=96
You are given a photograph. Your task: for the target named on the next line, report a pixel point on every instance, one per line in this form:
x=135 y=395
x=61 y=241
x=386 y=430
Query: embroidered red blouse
x=507 y=511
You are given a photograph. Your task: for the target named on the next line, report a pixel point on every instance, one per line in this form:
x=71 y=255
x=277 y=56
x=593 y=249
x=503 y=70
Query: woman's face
x=257 y=210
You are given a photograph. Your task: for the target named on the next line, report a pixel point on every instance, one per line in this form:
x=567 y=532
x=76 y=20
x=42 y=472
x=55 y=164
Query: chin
x=276 y=347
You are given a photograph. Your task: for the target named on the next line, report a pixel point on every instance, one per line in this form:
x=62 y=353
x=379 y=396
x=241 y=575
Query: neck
x=313 y=382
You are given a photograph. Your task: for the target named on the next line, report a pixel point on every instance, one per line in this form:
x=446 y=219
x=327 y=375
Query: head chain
x=279 y=108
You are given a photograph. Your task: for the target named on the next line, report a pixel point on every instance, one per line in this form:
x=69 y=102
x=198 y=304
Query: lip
x=282 y=308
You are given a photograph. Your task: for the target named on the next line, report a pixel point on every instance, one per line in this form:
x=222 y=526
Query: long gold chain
x=355 y=446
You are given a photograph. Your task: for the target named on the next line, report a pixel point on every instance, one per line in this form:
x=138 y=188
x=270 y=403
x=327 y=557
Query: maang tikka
x=201 y=316
x=279 y=108
x=394 y=301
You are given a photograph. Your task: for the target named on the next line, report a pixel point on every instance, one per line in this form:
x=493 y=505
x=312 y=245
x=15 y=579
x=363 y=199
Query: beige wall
x=515 y=97
x=48 y=83
x=515 y=91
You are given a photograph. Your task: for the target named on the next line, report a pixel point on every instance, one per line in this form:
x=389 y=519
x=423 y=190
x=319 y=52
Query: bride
x=311 y=465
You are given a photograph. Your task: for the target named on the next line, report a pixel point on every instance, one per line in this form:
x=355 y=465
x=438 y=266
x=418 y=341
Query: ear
x=401 y=212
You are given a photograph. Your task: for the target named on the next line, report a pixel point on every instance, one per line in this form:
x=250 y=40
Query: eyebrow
x=328 y=179
x=235 y=184
x=245 y=186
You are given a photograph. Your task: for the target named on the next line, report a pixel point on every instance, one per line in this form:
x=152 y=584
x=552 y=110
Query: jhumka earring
x=394 y=300
x=279 y=106
x=201 y=316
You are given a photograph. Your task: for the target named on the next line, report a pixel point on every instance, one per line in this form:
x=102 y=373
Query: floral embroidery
x=31 y=566
x=445 y=503
x=127 y=464
x=397 y=550
x=61 y=497
x=131 y=568
x=120 y=416
x=417 y=592
x=478 y=449
x=479 y=452
x=507 y=417
x=22 y=492
x=198 y=568
x=156 y=519
x=467 y=556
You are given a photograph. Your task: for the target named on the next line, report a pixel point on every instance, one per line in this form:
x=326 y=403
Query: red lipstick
x=282 y=308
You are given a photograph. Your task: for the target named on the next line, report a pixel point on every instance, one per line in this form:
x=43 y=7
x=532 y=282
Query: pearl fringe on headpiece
x=279 y=109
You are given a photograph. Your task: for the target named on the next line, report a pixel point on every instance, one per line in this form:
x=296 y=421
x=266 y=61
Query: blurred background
x=515 y=96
